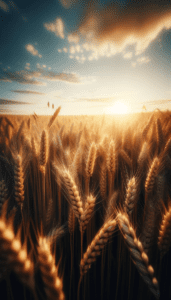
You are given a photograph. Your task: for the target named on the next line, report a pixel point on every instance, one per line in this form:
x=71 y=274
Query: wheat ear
x=98 y=243
x=88 y=210
x=103 y=181
x=130 y=195
x=14 y=252
x=164 y=239
x=151 y=176
x=3 y=194
x=139 y=257
x=19 y=180
x=52 y=119
x=49 y=271
x=74 y=196
x=71 y=221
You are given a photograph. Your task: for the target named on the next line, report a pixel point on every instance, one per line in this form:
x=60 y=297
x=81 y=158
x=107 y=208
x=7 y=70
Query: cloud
x=98 y=100
x=28 y=77
x=73 y=38
x=11 y=102
x=71 y=78
x=128 y=55
x=27 y=66
x=143 y=60
x=67 y=3
x=57 y=27
x=4 y=6
x=30 y=48
x=28 y=92
x=123 y=25
x=22 y=77
x=65 y=49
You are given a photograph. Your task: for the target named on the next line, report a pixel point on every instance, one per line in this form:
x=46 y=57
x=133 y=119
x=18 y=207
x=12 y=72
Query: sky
x=89 y=57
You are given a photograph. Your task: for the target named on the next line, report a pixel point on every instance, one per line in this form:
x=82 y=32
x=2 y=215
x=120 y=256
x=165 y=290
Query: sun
x=118 y=108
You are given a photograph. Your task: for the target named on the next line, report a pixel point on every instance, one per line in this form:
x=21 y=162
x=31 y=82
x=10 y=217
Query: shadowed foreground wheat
x=78 y=183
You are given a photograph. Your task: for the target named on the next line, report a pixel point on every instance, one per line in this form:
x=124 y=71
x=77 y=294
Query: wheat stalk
x=49 y=271
x=90 y=165
x=139 y=257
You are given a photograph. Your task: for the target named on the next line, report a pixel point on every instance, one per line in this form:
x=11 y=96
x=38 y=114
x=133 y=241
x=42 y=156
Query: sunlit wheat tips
x=19 y=180
x=139 y=257
x=142 y=160
x=91 y=160
x=3 y=194
x=49 y=271
x=130 y=195
x=97 y=244
x=164 y=239
x=43 y=149
x=14 y=252
x=151 y=176
x=88 y=210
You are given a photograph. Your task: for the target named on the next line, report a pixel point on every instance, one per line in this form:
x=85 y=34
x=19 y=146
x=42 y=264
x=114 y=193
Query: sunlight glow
x=118 y=108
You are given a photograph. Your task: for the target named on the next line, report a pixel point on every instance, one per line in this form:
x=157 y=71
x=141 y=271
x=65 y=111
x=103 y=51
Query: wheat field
x=85 y=207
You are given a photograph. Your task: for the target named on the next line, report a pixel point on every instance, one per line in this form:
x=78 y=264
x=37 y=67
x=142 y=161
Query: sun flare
x=118 y=108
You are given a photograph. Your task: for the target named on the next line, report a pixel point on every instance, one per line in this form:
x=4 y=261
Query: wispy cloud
x=29 y=77
x=28 y=92
x=30 y=48
x=125 y=25
x=128 y=55
x=67 y=3
x=98 y=100
x=22 y=77
x=73 y=38
x=143 y=60
x=57 y=27
x=11 y=102
x=4 y=6
x=27 y=66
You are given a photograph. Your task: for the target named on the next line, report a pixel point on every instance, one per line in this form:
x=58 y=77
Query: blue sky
x=89 y=57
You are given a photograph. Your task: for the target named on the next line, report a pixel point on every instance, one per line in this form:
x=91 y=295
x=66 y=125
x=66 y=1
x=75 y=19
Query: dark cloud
x=28 y=92
x=137 y=22
x=28 y=77
x=11 y=102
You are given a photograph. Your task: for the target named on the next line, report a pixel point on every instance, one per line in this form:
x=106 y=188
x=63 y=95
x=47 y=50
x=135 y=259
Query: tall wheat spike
x=52 y=119
x=19 y=180
x=90 y=165
x=103 y=182
x=88 y=210
x=151 y=176
x=130 y=195
x=49 y=271
x=139 y=257
x=43 y=150
x=164 y=239
x=160 y=136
